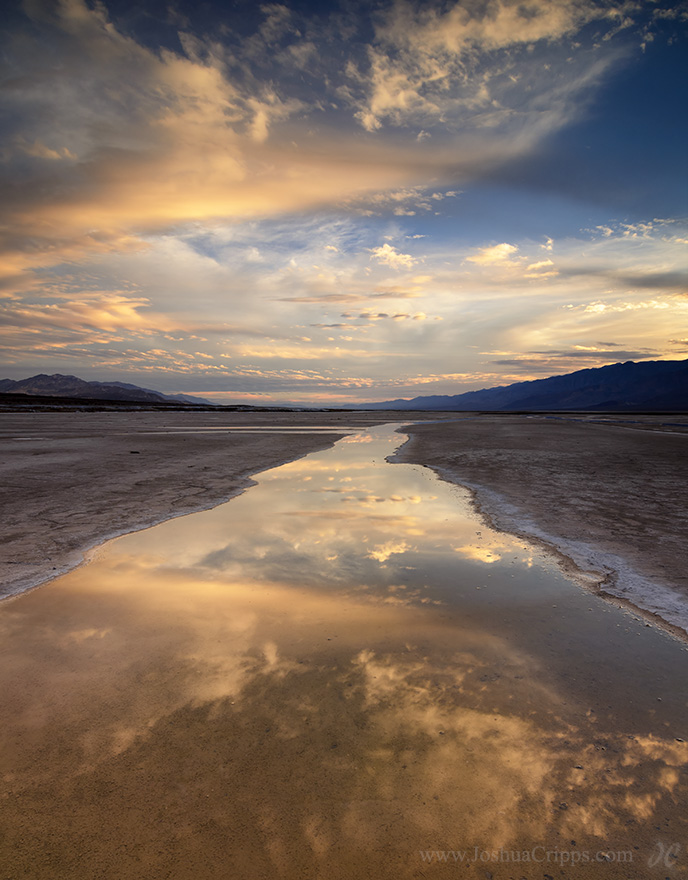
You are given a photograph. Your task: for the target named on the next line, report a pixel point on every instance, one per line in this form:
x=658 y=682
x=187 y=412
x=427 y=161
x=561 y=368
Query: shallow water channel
x=342 y=673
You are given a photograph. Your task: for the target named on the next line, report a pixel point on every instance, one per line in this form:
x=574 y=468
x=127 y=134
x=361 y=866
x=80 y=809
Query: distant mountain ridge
x=646 y=385
x=58 y=385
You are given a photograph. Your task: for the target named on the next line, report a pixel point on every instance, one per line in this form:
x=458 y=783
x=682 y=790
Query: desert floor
x=234 y=694
x=72 y=480
x=610 y=493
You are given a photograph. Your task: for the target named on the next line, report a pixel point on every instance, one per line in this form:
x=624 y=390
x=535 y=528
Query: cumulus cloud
x=390 y=256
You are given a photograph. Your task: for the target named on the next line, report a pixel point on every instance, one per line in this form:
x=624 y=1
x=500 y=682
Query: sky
x=325 y=203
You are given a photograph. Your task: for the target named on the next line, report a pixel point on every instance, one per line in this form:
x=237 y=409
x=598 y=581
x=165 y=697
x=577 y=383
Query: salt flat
x=71 y=480
x=609 y=495
x=342 y=673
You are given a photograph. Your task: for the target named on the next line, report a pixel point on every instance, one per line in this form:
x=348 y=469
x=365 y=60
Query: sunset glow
x=337 y=203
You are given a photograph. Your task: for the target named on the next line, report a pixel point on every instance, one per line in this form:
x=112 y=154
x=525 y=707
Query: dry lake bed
x=345 y=671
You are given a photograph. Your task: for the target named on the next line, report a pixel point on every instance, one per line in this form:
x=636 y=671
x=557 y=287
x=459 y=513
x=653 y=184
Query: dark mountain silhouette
x=58 y=385
x=649 y=385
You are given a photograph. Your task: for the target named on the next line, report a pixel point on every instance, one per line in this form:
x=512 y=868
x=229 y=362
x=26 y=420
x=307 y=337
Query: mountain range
x=652 y=386
x=647 y=385
x=58 y=385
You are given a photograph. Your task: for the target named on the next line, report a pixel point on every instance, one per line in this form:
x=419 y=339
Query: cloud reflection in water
x=326 y=690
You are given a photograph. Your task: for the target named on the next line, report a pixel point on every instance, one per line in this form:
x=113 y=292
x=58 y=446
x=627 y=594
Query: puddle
x=331 y=676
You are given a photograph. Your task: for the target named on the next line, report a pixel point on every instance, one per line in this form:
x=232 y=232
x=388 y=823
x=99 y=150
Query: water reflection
x=322 y=678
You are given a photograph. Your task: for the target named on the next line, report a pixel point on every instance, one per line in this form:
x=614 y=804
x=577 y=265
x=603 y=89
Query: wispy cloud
x=220 y=335
x=427 y=65
x=122 y=138
x=498 y=253
x=554 y=361
x=405 y=202
x=209 y=206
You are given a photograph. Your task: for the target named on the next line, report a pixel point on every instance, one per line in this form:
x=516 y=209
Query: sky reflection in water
x=328 y=674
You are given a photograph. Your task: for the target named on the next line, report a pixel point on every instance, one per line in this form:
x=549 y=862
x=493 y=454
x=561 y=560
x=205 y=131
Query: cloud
x=304 y=352
x=397 y=316
x=324 y=298
x=105 y=312
x=637 y=278
x=110 y=135
x=188 y=294
x=382 y=552
x=406 y=202
x=498 y=253
x=539 y=266
x=214 y=200
x=39 y=150
x=373 y=316
x=598 y=308
x=541 y=270
x=389 y=255
x=456 y=28
x=209 y=334
x=642 y=229
x=546 y=360
x=427 y=66
x=124 y=140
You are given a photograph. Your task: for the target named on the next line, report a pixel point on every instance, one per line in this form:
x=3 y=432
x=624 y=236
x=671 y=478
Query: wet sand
x=610 y=496
x=165 y=717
